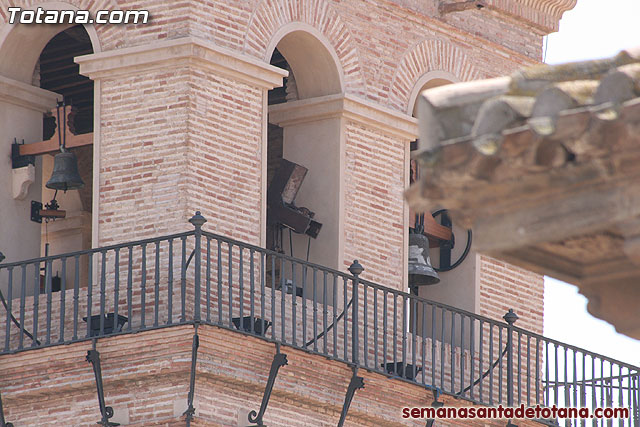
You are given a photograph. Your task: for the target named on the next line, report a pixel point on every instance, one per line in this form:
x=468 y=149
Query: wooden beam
x=52 y=145
x=52 y=213
x=574 y=211
x=433 y=230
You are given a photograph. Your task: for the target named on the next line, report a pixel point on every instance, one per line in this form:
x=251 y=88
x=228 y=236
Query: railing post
x=356 y=269
x=510 y=318
x=197 y=221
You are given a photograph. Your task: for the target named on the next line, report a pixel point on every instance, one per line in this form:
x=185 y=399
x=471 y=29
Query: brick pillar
x=182 y=128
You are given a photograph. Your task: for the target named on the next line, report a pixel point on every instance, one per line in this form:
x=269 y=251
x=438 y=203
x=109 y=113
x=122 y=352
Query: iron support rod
x=156 y=286
x=190 y=412
x=355 y=384
x=89 y=294
x=279 y=360
x=435 y=404
x=143 y=286
x=63 y=295
x=93 y=357
x=9 y=316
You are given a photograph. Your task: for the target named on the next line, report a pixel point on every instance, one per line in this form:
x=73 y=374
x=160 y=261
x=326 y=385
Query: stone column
x=21 y=110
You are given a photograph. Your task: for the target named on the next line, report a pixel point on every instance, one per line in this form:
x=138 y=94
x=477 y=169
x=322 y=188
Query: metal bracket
x=18 y=160
x=279 y=360
x=355 y=384
x=191 y=411
x=50 y=211
x=3 y=423
x=435 y=404
x=445 y=248
x=36 y=207
x=93 y=357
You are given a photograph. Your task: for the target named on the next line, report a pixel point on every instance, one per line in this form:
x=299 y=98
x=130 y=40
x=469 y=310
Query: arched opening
x=457 y=287
x=435 y=82
x=421 y=86
x=43 y=67
x=428 y=80
x=315 y=68
x=58 y=73
x=304 y=148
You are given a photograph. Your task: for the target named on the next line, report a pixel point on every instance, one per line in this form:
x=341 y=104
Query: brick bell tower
x=195 y=111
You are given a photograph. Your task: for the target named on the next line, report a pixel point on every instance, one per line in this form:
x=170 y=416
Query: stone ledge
x=27 y=96
x=180 y=52
x=543 y=15
x=350 y=107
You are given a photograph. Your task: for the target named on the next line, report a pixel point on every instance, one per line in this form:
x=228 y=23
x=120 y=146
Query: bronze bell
x=65 y=174
x=421 y=272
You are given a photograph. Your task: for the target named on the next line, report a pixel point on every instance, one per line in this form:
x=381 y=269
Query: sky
x=593 y=29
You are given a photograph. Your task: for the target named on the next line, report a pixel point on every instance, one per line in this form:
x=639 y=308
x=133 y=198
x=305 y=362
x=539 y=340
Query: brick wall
x=225 y=155
x=503 y=286
x=374 y=205
x=143 y=155
x=143 y=375
x=146 y=381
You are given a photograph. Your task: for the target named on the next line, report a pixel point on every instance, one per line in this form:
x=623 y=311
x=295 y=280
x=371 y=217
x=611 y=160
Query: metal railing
x=152 y=283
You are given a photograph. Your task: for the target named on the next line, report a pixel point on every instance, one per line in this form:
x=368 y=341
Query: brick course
x=146 y=379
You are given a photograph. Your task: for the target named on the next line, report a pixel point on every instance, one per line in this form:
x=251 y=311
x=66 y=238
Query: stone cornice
x=27 y=96
x=350 y=107
x=543 y=14
x=178 y=52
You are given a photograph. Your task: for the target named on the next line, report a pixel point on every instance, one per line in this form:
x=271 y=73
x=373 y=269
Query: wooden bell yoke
x=52 y=145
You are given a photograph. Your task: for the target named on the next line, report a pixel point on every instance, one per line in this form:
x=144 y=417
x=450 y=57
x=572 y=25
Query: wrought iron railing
x=152 y=283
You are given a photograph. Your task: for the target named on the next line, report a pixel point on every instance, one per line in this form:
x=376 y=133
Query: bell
x=65 y=174
x=420 y=270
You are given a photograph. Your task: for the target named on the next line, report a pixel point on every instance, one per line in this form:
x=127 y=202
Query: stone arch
x=426 y=81
x=271 y=19
x=317 y=74
x=424 y=57
x=14 y=37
